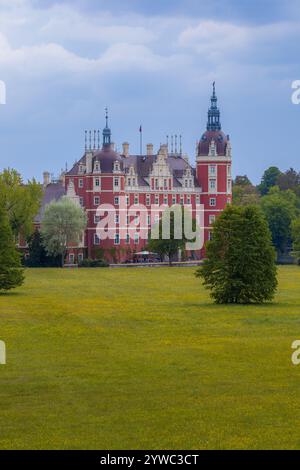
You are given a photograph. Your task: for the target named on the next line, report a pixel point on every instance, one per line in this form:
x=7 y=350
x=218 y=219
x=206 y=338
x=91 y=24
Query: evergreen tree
x=11 y=274
x=37 y=254
x=240 y=259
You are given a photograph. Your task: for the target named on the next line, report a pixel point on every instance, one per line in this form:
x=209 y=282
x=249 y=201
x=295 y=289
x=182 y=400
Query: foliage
x=63 y=224
x=113 y=254
x=22 y=201
x=243 y=192
x=269 y=179
x=296 y=238
x=240 y=260
x=279 y=208
x=170 y=246
x=11 y=274
x=93 y=263
x=37 y=254
x=290 y=179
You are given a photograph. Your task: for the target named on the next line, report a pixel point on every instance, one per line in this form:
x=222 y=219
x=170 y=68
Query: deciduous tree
x=21 y=201
x=63 y=224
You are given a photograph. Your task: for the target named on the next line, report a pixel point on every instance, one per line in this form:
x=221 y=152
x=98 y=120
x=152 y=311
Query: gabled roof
x=142 y=165
x=52 y=192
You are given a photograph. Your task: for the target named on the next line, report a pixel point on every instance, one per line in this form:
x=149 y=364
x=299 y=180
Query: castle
x=105 y=176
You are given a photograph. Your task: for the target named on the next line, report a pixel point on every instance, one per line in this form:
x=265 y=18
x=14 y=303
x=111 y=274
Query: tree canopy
x=170 y=245
x=269 y=179
x=21 y=201
x=11 y=274
x=240 y=260
x=279 y=208
x=244 y=193
x=63 y=224
x=296 y=238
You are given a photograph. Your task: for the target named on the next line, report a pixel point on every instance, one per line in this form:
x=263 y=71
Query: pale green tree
x=63 y=224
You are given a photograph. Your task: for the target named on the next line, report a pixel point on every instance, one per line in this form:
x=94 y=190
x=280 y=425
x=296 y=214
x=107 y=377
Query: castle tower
x=214 y=167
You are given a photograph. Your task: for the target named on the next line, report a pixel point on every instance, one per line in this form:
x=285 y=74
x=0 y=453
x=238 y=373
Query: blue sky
x=152 y=63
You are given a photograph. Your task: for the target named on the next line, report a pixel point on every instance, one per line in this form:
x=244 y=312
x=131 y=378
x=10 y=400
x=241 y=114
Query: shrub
x=93 y=263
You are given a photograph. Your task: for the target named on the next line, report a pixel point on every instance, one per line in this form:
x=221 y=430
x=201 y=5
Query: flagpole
x=141 y=140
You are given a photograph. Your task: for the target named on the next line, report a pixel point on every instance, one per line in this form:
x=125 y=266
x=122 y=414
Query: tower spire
x=213 y=122
x=106 y=131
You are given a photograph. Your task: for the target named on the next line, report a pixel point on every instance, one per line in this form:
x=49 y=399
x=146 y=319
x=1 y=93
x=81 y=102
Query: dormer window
x=116 y=166
x=97 y=167
x=81 y=169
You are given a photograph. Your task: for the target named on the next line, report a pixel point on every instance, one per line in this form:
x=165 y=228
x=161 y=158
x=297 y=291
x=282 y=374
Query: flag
x=141 y=129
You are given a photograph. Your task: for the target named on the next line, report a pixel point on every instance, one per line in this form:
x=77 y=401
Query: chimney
x=89 y=161
x=164 y=149
x=149 y=149
x=46 y=178
x=125 y=146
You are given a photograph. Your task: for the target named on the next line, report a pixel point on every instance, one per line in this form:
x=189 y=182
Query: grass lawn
x=142 y=359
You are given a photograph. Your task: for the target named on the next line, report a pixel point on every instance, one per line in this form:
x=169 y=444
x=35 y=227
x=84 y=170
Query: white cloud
x=214 y=38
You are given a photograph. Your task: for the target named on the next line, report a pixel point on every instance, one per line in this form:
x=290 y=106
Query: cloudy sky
x=151 y=62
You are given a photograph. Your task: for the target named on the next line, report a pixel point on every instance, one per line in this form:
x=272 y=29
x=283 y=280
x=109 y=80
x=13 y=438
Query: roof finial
x=106 y=117
x=106 y=131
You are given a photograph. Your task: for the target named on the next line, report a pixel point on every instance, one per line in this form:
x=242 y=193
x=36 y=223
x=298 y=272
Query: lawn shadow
x=12 y=294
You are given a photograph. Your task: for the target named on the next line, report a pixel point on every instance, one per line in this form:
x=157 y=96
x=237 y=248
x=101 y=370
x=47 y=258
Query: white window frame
x=212 y=170
x=97 y=187
x=116 y=180
x=212 y=219
x=212 y=185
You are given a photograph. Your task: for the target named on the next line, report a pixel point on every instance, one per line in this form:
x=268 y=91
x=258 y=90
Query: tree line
x=278 y=195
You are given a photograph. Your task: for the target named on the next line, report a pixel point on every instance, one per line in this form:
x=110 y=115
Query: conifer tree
x=11 y=274
x=240 y=259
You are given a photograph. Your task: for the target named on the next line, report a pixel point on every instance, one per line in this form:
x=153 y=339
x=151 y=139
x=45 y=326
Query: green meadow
x=141 y=358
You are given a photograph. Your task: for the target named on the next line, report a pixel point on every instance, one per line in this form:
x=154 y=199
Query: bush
x=93 y=263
